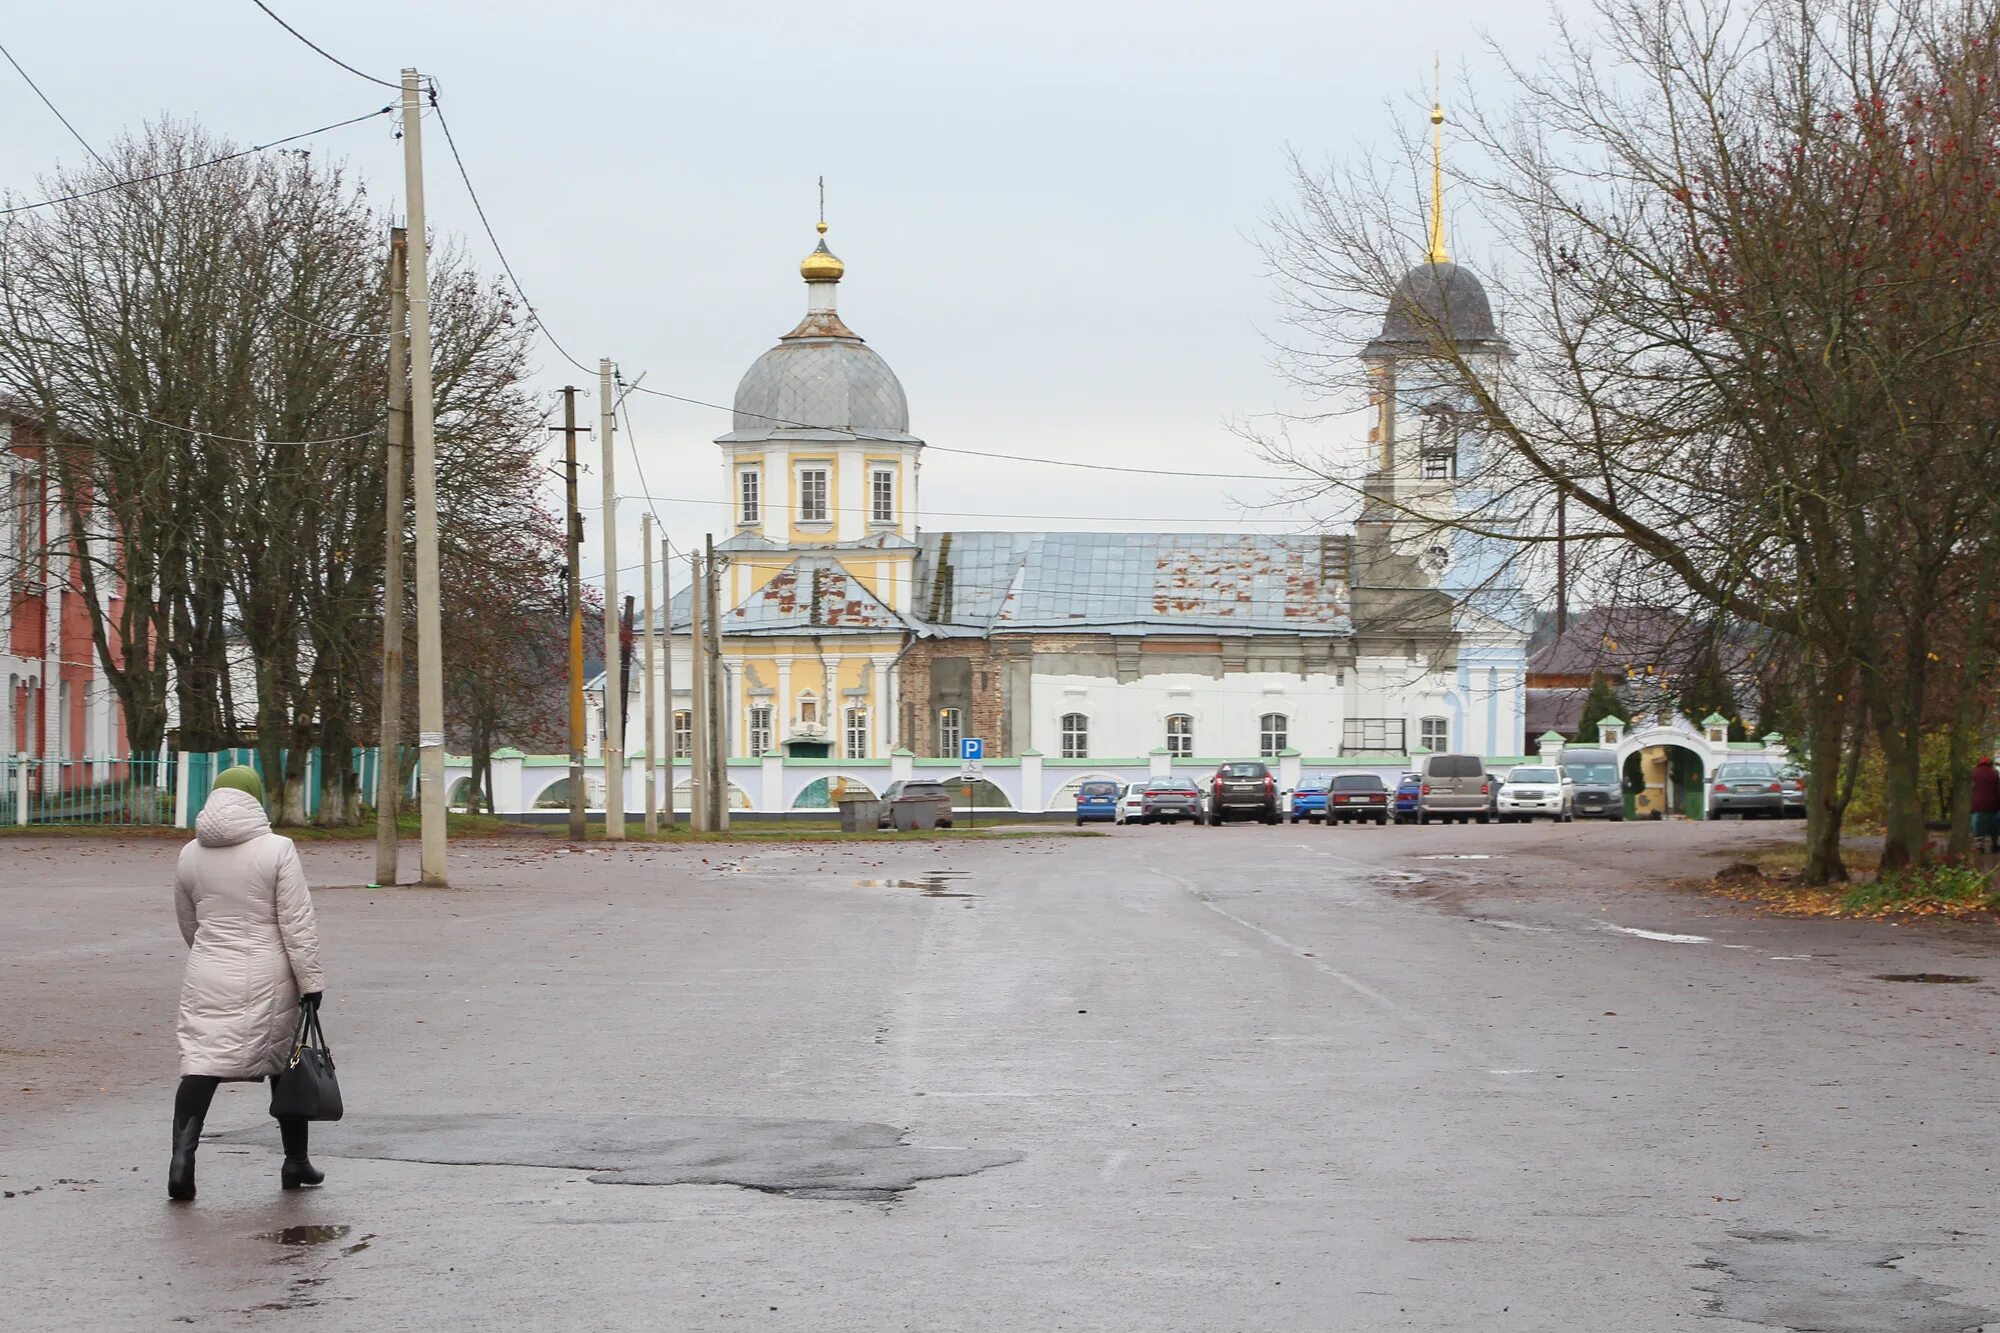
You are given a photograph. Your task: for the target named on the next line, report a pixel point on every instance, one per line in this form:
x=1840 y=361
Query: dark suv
x=1243 y=791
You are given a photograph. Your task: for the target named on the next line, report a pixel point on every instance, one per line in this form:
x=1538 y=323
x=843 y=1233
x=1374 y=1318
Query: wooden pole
x=578 y=781
x=389 y=739
x=667 y=665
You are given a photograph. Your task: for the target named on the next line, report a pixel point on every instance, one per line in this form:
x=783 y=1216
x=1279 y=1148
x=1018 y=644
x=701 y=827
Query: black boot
x=298 y=1168
x=191 y=1102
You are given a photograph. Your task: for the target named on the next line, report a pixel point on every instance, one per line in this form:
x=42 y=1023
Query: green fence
x=88 y=791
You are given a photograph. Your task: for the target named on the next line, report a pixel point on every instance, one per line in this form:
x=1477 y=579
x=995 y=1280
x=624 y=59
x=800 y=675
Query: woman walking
x=253 y=962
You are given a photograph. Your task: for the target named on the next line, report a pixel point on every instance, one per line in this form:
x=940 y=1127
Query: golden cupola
x=822 y=265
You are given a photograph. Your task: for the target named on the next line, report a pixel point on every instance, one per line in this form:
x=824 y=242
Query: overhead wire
x=322 y=50
x=53 y=108
x=193 y=166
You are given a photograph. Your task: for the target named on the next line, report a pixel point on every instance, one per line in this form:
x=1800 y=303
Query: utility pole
x=667 y=663
x=718 y=748
x=389 y=739
x=430 y=637
x=698 y=703
x=1562 y=560
x=573 y=527
x=614 y=681
x=652 y=714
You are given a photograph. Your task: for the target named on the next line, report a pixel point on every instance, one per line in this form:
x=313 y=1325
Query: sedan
x=1529 y=793
x=1169 y=801
x=1409 y=793
x=1357 y=796
x=1309 y=802
x=1794 y=779
x=1130 y=797
x=1747 y=788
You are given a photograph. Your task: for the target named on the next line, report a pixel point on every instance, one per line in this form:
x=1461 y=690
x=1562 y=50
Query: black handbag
x=307 y=1089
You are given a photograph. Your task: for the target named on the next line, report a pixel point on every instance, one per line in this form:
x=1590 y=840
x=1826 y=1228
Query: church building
x=853 y=630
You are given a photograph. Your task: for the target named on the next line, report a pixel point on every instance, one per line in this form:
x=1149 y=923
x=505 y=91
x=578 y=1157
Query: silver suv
x=1456 y=786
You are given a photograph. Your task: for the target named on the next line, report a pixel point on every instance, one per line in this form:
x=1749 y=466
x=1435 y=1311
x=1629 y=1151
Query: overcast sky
x=1049 y=211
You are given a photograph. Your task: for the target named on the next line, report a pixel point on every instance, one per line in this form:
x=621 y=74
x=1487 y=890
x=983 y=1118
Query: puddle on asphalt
x=933 y=884
x=1816 y=1284
x=808 y=1159
x=305 y=1235
x=1928 y=978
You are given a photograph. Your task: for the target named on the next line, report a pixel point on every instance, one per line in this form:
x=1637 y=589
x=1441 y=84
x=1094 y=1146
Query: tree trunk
x=1827 y=763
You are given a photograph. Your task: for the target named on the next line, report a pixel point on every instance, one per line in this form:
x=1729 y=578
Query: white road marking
x=1660 y=935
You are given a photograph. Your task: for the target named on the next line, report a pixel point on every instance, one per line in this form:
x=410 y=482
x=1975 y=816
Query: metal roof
x=988 y=582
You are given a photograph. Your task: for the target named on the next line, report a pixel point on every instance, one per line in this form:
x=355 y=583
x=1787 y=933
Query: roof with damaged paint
x=991 y=582
x=814 y=595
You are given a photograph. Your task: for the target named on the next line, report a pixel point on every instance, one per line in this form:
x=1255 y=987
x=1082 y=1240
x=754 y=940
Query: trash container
x=915 y=815
x=860 y=816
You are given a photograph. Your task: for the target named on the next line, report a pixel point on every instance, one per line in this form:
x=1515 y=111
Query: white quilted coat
x=253 y=944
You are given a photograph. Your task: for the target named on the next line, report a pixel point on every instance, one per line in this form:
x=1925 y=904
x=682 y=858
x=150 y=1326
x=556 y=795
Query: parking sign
x=971 y=749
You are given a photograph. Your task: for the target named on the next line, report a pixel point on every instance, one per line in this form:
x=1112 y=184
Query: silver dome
x=824 y=384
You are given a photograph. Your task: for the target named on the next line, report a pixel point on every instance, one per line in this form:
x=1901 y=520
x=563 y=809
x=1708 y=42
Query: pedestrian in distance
x=1986 y=804
x=253 y=966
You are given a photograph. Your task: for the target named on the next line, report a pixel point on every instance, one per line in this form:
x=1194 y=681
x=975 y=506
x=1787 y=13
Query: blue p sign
x=971 y=747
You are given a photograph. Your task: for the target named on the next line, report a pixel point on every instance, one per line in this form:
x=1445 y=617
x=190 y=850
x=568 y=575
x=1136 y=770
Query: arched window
x=1271 y=735
x=1180 y=736
x=857 y=732
x=951 y=727
x=760 y=729
x=1075 y=736
x=683 y=733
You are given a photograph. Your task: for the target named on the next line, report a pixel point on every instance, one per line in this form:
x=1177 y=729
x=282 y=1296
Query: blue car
x=1309 y=800
x=1408 y=790
x=1097 y=801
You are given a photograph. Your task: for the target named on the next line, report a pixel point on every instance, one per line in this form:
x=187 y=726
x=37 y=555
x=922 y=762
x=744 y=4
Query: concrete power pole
x=430 y=637
x=389 y=739
x=697 y=702
x=573 y=527
x=718 y=701
x=667 y=664
x=652 y=713
x=614 y=682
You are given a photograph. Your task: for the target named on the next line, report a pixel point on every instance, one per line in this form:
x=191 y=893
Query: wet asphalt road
x=1168 y=1079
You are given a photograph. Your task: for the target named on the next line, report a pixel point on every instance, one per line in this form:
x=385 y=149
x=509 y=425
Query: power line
x=320 y=49
x=193 y=166
x=978 y=513
x=52 y=107
x=485 y=223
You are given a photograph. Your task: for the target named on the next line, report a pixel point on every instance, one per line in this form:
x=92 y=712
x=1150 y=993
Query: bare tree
x=1745 y=254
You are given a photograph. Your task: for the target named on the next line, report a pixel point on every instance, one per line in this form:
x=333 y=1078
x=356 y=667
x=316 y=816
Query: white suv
x=1533 y=790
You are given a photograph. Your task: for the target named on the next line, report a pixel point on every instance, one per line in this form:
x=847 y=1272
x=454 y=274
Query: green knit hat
x=241 y=778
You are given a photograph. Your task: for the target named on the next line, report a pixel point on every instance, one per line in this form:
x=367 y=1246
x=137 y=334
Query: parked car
x=1747 y=787
x=1309 y=800
x=1794 y=779
x=1599 y=793
x=1455 y=786
x=1097 y=801
x=1130 y=797
x=936 y=793
x=1534 y=790
x=1170 y=800
x=1356 y=797
x=1243 y=791
x=1409 y=790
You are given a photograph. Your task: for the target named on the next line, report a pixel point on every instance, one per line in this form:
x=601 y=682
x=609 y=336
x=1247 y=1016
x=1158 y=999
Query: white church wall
x=1129 y=719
